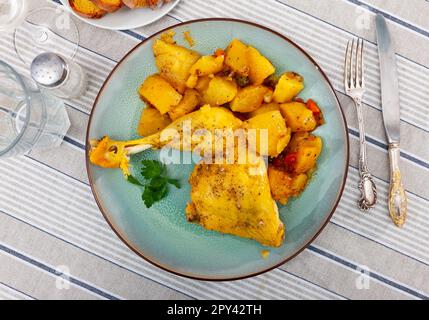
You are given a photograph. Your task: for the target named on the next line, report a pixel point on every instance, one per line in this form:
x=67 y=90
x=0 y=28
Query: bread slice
x=108 y=5
x=87 y=9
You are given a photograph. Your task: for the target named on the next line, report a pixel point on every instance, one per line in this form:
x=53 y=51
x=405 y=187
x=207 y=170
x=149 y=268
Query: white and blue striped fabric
x=55 y=244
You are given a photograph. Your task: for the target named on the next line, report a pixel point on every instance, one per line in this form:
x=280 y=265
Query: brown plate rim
x=136 y=250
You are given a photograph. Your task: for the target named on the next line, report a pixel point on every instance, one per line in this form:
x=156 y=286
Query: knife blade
x=397 y=201
x=389 y=81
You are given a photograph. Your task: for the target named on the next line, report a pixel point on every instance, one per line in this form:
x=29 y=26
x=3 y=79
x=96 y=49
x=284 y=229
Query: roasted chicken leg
x=109 y=153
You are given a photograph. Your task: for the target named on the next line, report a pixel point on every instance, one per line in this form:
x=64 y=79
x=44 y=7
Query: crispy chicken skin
x=235 y=199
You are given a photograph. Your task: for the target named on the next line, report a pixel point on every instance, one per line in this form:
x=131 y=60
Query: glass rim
x=16 y=20
x=27 y=112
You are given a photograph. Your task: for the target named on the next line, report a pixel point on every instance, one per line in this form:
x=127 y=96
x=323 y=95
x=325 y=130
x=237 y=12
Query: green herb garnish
x=155 y=172
x=133 y=180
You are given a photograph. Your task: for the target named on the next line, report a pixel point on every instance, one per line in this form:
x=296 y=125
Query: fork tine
x=362 y=64
x=352 y=70
x=347 y=67
x=357 y=64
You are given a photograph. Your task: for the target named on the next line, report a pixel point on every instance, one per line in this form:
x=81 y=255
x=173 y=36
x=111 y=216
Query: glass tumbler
x=29 y=119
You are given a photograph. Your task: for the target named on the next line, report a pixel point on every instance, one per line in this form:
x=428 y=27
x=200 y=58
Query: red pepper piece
x=313 y=107
x=290 y=159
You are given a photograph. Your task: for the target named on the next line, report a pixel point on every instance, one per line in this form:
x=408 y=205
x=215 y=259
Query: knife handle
x=397 y=196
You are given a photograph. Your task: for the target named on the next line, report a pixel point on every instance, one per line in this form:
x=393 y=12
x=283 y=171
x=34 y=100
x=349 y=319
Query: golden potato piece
x=108 y=5
x=299 y=181
x=249 y=98
x=284 y=185
x=189 y=103
x=152 y=121
x=307 y=156
x=265 y=108
x=237 y=57
x=248 y=61
x=260 y=67
x=207 y=65
x=192 y=81
x=298 y=116
x=202 y=84
x=174 y=63
x=276 y=136
x=290 y=85
x=87 y=9
x=159 y=93
x=220 y=91
x=307 y=148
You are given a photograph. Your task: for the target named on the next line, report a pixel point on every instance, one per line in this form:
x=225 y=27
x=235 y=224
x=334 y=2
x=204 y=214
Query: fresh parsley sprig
x=156 y=175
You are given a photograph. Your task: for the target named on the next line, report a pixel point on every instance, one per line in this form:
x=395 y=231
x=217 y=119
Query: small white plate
x=125 y=18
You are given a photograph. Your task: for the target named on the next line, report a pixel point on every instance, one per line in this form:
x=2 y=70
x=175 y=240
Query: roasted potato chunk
x=202 y=84
x=87 y=9
x=152 y=121
x=307 y=148
x=220 y=91
x=207 y=65
x=174 y=63
x=265 y=108
x=237 y=57
x=290 y=85
x=248 y=61
x=192 y=81
x=260 y=67
x=249 y=98
x=159 y=93
x=284 y=184
x=108 y=5
x=276 y=136
x=298 y=116
x=188 y=104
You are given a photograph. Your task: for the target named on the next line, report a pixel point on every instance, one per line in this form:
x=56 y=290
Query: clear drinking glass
x=39 y=29
x=46 y=29
x=29 y=120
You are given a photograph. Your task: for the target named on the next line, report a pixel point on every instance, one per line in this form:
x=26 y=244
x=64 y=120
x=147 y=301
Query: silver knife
x=397 y=201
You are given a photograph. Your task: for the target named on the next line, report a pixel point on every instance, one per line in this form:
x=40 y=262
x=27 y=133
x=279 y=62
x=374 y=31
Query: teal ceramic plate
x=161 y=235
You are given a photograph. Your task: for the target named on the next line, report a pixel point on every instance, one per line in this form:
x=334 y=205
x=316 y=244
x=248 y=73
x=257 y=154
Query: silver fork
x=354 y=83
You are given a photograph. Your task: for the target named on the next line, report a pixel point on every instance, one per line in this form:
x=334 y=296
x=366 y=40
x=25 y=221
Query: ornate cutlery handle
x=397 y=196
x=367 y=186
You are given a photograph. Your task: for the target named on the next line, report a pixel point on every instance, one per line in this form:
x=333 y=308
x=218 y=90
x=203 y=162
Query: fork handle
x=366 y=185
x=397 y=196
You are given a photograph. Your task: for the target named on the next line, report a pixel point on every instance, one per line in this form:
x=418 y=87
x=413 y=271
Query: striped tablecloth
x=55 y=244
